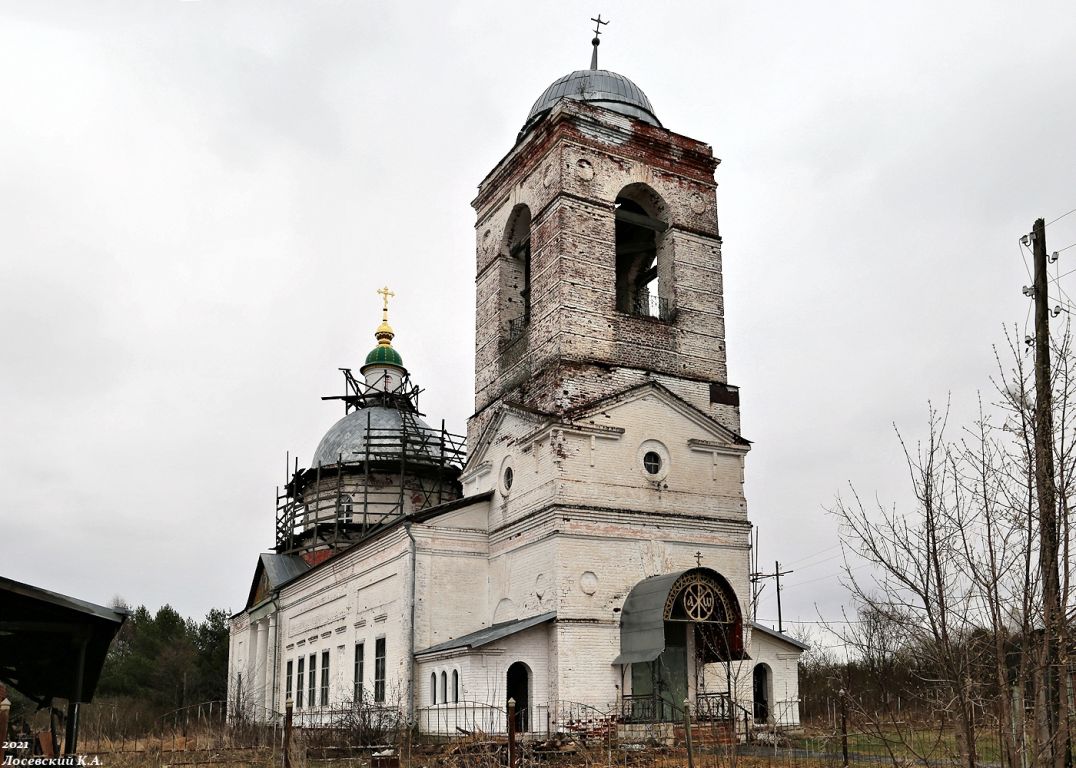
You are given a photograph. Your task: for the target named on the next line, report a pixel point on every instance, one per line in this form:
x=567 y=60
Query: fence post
x=844 y=726
x=287 y=732
x=5 y=706
x=511 y=733
x=687 y=734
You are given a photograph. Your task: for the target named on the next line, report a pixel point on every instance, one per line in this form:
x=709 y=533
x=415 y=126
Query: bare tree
x=957 y=585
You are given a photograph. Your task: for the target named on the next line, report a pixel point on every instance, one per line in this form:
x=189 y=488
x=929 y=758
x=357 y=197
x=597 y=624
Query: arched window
x=516 y=285
x=433 y=688
x=344 y=508
x=643 y=270
x=455 y=686
x=444 y=687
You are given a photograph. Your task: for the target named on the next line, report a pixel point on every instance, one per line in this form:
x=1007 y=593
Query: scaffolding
x=400 y=469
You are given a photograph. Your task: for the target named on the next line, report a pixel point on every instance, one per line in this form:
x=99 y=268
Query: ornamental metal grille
x=697 y=597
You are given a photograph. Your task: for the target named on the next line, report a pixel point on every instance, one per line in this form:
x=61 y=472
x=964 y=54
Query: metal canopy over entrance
x=697 y=595
x=672 y=625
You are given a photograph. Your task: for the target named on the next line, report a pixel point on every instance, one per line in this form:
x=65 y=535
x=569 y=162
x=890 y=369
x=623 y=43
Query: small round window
x=652 y=462
x=508 y=477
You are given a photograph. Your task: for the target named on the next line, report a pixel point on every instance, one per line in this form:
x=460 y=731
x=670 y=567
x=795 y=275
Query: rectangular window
x=324 y=678
x=299 y=684
x=312 y=681
x=379 y=671
x=360 y=660
x=287 y=683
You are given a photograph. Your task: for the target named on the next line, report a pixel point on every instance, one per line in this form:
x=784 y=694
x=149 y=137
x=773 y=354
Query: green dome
x=384 y=355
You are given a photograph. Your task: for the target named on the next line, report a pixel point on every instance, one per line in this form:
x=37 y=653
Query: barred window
x=299 y=684
x=324 y=678
x=359 y=663
x=312 y=681
x=379 y=670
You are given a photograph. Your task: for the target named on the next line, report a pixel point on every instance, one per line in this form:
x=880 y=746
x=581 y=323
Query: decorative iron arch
x=699 y=597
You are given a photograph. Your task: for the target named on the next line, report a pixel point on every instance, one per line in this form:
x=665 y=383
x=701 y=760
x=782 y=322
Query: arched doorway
x=761 y=689
x=518 y=687
x=671 y=627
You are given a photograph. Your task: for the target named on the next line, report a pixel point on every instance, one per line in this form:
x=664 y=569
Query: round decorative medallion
x=584 y=170
x=588 y=582
x=541 y=585
x=698 y=203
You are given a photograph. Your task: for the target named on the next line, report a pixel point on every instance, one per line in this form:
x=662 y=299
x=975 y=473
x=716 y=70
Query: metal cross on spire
x=385 y=293
x=598 y=24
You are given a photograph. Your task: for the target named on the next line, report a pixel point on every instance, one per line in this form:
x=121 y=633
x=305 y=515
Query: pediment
x=712 y=435
x=506 y=411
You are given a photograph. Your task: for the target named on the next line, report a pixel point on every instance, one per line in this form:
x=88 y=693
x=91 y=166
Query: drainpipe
x=411 y=631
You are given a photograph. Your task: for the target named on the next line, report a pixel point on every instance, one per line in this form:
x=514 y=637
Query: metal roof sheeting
x=601 y=87
x=490 y=634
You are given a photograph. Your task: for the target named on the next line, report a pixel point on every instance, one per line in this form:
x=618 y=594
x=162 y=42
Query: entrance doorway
x=761 y=688
x=519 y=688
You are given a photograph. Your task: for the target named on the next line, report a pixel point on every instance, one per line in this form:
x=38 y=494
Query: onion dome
x=383 y=353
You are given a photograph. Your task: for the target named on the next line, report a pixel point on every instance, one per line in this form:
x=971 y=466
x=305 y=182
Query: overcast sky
x=198 y=200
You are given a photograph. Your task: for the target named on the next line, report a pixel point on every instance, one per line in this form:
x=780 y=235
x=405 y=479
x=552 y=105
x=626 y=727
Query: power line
x=1023 y=257
x=819 y=552
x=1061 y=217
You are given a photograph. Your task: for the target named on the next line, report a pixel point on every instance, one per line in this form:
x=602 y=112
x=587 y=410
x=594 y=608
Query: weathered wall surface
x=568 y=172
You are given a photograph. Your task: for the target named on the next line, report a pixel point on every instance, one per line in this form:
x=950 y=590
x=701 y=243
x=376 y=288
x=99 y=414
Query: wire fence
x=474 y=735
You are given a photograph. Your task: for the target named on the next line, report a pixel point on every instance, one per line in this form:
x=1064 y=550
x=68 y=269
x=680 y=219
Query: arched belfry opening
x=516 y=281
x=643 y=261
x=673 y=626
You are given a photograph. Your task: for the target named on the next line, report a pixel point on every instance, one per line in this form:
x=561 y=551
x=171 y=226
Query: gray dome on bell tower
x=595 y=86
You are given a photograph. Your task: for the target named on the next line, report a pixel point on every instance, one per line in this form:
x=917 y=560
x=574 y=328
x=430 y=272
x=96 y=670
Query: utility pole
x=1045 y=491
x=777 y=574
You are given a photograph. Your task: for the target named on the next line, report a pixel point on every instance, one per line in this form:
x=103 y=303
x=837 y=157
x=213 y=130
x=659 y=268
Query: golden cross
x=385 y=293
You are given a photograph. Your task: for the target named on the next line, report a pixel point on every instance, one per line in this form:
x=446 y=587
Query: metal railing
x=652 y=305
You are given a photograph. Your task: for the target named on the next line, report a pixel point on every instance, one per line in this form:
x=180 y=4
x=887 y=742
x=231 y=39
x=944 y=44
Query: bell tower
x=599 y=258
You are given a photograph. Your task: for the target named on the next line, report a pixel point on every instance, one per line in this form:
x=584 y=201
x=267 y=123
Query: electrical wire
x=1061 y=217
x=1020 y=247
x=813 y=554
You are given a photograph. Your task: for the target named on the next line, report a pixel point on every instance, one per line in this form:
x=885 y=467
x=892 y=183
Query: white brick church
x=587 y=544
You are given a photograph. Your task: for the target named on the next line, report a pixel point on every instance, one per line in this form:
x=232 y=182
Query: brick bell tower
x=599 y=258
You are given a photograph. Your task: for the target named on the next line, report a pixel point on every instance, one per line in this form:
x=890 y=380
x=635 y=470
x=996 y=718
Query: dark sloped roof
x=490 y=634
x=282 y=568
x=780 y=636
x=41 y=633
x=277 y=569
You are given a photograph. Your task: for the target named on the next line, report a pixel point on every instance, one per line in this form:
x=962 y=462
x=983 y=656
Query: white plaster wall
x=483 y=681
x=783 y=661
x=358 y=596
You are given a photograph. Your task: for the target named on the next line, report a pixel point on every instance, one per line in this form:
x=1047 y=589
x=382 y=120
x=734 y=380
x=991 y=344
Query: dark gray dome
x=597 y=86
x=346 y=439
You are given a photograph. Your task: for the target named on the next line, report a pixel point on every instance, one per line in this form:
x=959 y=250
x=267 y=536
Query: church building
x=587 y=544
